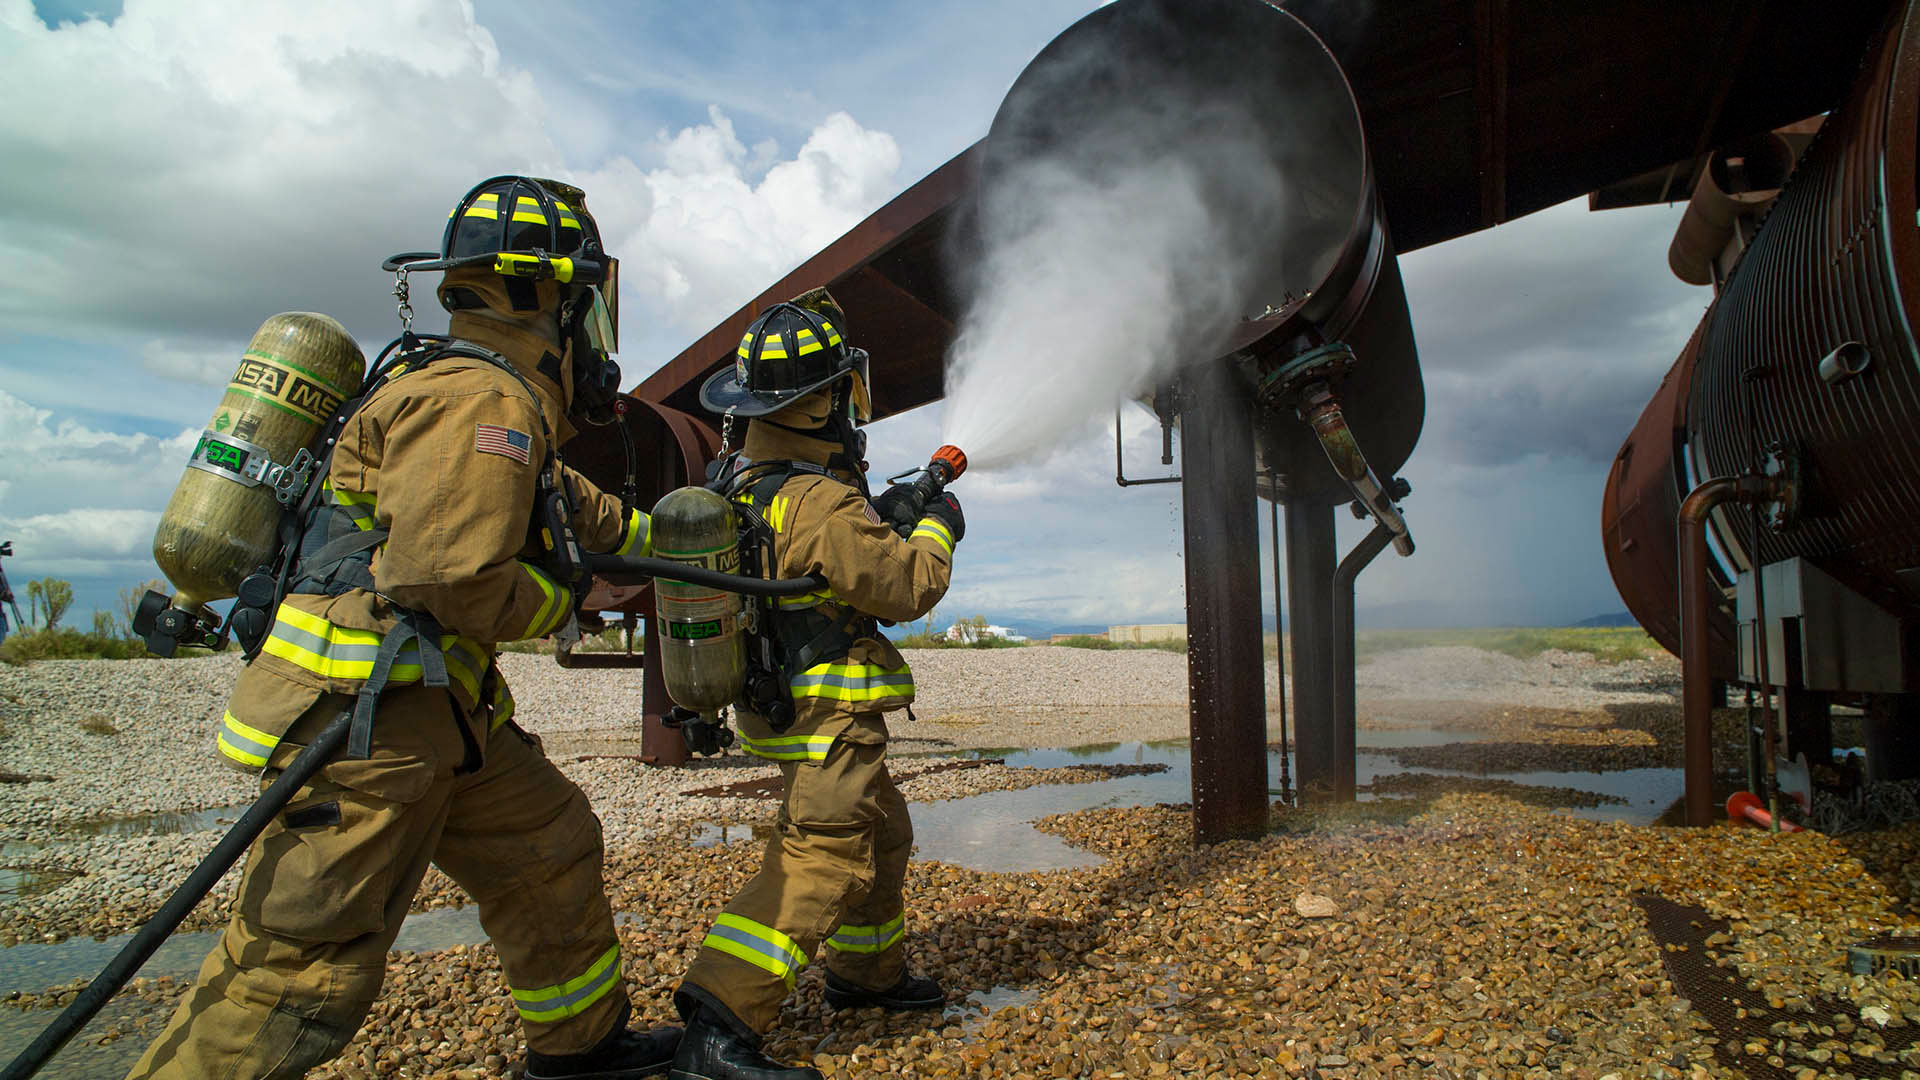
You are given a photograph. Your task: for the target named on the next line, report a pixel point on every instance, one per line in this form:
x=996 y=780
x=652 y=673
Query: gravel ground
x=1474 y=934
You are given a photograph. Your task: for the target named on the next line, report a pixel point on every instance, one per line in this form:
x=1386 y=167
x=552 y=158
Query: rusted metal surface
x=1227 y=708
x=1738 y=184
x=1697 y=592
x=1836 y=261
x=1639 y=516
x=1590 y=98
x=1345 y=695
x=1310 y=567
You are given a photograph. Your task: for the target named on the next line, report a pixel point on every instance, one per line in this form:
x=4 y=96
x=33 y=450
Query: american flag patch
x=494 y=439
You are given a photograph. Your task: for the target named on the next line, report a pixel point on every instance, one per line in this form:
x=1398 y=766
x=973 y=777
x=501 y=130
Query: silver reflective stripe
x=782 y=960
x=337 y=651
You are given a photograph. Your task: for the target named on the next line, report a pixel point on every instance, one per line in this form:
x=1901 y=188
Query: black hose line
x=627 y=569
x=155 y=931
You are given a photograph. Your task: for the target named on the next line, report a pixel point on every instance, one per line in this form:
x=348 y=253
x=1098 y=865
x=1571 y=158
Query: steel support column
x=1310 y=567
x=659 y=744
x=1226 y=671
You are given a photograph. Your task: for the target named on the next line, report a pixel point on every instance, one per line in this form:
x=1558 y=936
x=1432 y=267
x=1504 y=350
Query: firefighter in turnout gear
x=833 y=870
x=418 y=562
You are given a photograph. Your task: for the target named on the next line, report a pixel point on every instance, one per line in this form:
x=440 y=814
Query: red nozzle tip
x=952 y=458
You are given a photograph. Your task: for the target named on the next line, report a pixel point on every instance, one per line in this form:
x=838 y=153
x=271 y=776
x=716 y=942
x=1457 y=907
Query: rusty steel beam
x=1227 y=703
x=1310 y=567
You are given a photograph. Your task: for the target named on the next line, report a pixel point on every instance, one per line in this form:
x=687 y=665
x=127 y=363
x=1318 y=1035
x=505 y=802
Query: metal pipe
x=1226 y=680
x=659 y=744
x=1280 y=647
x=1345 y=704
x=1166 y=455
x=1696 y=606
x=1321 y=410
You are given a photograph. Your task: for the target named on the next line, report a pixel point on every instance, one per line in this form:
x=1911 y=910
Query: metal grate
x=1719 y=995
x=1886 y=953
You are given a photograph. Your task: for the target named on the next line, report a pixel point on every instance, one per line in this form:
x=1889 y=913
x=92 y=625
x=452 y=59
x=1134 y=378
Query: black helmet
x=538 y=235
x=788 y=352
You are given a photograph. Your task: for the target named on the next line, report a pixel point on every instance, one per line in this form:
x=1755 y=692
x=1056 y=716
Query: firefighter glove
x=946 y=509
x=897 y=507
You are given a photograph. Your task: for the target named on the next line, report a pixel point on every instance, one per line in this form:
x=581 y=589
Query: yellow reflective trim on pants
x=757 y=944
x=571 y=998
x=852 y=682
x=638 y=538
x=789 y=747
x=244 y=743
x=870 y=939
x=936 y=530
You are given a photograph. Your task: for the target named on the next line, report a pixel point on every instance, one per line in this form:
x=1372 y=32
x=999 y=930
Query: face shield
x=596 y=337
x=860 y=396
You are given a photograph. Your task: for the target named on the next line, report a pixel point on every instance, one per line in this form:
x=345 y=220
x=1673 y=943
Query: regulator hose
x=150 y=936
x=626 y=569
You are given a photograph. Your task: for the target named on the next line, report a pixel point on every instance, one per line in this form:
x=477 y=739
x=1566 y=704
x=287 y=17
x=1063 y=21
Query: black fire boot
x=623 y=1055
x=911 y=992
x=714 y=1050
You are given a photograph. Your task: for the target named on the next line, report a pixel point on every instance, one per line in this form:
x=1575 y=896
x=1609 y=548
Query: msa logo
x=265 y=378
x=694 y=631
x=310 y=398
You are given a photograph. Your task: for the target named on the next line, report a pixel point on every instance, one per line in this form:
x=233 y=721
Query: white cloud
x=228 y=159
x=85 y=542
x=711 y=238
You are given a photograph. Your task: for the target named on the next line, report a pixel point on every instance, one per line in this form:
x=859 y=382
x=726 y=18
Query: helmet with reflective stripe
x=791 y=350
x=537 y=235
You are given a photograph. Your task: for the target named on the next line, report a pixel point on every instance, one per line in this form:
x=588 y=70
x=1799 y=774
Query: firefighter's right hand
x=896 y=508
x=945 y=509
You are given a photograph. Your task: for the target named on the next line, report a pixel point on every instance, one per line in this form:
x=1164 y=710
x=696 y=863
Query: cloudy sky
x=171 y=174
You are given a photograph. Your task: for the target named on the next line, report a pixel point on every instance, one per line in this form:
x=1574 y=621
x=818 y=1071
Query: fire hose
x=311 y=760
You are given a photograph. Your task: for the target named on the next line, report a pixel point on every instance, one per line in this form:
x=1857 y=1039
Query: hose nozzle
x=950 y=461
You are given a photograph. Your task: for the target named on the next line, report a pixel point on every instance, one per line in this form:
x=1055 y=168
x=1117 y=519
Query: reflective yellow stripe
x=757 y=944
x=809 y=600
x=638 y=539
x=502 y=703
x=571 y=998
x=870 y=939
x=789 y=747
x=852 y=682
x=311 y=643
x=539 y=624
x=245 y=744
x=934 y=529
x=481 y=212
x=360 y=508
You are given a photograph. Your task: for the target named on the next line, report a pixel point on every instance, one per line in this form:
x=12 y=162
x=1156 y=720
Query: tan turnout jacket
x=445 y=458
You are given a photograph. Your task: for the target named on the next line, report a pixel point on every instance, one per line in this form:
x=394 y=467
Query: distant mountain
x=1618 y=618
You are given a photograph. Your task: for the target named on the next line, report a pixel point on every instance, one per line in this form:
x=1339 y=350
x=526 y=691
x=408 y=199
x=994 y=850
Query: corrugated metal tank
x=1837 y=261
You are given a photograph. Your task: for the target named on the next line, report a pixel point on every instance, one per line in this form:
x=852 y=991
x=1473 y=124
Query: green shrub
x=1090 y=641
x=70 y=645
x=1611 y=644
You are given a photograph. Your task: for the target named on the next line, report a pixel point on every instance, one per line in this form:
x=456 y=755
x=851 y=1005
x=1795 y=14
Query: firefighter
x=833 y=869
x=416 y=566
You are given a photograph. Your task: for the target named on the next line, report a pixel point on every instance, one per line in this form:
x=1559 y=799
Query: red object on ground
x=1745 y=804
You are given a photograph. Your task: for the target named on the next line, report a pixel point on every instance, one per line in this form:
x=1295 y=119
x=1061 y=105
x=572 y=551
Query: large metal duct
x=1810 y=352
x=1261 y=111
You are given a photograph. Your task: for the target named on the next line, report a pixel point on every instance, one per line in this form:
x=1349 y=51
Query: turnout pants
x=832 y=874
x=329 y=881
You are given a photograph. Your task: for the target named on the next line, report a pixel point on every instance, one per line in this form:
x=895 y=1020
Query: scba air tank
x=703 y=652
x=221 y=523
